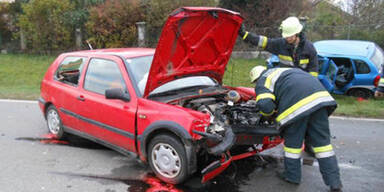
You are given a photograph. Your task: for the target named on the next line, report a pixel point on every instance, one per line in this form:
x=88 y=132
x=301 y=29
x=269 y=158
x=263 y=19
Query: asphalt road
x=30 y=163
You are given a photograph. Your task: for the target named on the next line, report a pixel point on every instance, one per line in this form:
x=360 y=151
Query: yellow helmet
x=290 y=26
x=256 y=72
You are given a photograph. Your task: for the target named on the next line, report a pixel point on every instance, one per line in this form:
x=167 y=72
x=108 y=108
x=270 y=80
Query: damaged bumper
x=267 y=135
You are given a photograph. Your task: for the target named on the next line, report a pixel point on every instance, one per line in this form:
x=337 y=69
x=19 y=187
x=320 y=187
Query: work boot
x=336 y=189
x=281 y=175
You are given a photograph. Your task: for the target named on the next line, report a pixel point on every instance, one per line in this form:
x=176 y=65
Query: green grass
x=21 y=74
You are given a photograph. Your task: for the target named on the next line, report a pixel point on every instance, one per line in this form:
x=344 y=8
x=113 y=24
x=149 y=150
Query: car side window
x=102 y=75
x=69 y=70
x=361 y=67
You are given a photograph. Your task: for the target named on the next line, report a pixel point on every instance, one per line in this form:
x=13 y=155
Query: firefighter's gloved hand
x=242 y=30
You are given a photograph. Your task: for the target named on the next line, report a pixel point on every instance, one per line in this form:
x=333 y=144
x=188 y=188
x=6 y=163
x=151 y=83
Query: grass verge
x=21 y=74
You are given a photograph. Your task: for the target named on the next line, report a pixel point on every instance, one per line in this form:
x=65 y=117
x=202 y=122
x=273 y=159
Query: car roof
x=344 y=47
x=124 y=52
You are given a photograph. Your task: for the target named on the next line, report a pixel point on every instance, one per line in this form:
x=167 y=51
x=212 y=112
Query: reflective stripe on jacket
x=306 y=59
x=293 y=92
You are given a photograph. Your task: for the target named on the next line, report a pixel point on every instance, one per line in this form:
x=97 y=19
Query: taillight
x=376 y=81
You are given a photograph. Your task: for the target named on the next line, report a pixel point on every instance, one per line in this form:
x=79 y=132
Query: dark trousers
x=316 y=127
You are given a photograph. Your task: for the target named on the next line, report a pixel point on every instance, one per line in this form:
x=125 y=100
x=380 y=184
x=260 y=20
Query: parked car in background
x=166 y=106
x=350 y=67
x=347 y=67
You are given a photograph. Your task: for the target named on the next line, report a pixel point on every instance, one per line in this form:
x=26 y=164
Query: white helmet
x=290 y=26
x=256 y=72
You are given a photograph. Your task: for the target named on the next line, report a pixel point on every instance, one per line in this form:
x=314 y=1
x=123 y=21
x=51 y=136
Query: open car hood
x=195 y=41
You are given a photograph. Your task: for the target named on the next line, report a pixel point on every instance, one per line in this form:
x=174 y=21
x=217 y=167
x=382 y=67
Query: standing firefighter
x=301 y=106
x=293 y=50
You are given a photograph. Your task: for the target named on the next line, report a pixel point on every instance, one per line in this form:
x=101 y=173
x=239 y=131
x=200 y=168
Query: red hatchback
x=167 y=106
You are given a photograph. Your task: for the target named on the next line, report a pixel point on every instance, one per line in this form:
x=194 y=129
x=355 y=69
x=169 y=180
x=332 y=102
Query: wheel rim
x=53 y=122
x=166 y=160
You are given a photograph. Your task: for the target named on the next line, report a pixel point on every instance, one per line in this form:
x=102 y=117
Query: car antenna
x=89 y=45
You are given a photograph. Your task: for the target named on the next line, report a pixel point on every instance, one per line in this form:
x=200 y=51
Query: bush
x=113 y=24
x=43 y=25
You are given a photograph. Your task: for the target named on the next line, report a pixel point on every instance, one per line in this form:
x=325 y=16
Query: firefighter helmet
x=256 y=72
x=290 y=26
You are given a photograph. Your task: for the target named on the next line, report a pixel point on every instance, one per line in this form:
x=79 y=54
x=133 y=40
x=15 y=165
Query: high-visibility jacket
x=304 y=57
x=380 y=87
x=290 y=94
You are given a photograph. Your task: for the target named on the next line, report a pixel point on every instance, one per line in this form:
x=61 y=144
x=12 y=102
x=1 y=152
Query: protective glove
x=242 y=30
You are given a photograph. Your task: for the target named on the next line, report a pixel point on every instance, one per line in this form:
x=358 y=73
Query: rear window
x=70 y=69
x=378 y=57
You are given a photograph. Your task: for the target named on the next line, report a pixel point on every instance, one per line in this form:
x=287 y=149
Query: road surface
x=30 y=163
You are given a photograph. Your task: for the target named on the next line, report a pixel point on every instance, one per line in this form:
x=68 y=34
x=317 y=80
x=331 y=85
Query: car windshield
x=139 y=66
x=378 y=57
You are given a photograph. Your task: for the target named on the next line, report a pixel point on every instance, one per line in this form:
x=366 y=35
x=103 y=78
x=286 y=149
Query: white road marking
x=17 y=101
x=356 y=118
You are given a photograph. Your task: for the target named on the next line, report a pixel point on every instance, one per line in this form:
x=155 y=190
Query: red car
x=166 y=106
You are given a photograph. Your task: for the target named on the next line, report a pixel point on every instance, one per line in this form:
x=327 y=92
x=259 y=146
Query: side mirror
x=117 y=93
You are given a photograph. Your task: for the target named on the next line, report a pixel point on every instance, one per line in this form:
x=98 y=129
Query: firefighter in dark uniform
x=293 y=50
x=380 y=88
x=301 y=106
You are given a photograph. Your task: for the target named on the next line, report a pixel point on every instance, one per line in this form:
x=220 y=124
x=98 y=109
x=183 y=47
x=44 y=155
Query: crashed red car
x=167 y=106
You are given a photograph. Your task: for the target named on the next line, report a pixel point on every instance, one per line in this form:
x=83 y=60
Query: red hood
x=195 y=41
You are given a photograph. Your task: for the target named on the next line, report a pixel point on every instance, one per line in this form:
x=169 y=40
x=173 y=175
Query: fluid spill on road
x=45 y=139
x=71 y=140
x=230 y=180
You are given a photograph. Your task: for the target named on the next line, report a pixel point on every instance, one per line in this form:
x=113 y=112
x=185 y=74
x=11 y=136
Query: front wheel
x=55 y=126
x=167 y=158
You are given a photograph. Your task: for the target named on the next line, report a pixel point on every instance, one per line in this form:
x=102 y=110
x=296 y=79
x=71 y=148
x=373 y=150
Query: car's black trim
x=99 y=124
x=178 y=130
x=41 y=100
x=105 y=143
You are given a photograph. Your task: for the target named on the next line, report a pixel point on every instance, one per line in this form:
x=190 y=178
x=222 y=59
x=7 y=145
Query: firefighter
x=293 y=50
x=301 y=106
x=380 y=88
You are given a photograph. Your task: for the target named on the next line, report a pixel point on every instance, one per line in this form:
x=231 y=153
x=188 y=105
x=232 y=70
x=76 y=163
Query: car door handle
x=80 y=98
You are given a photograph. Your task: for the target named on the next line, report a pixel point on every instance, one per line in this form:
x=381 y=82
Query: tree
x=43 y=24
x=113 y=24
x=157 y=11
x=264 y=16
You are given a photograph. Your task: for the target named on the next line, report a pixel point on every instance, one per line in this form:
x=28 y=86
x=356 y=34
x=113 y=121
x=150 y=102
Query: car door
x=327 y=73
x=65 y=88
x=363 y=76
x=110 y=120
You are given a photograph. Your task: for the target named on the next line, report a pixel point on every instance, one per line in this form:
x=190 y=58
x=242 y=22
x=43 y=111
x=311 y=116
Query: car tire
x=54 y=122
x=363 y=93
x=167 y=158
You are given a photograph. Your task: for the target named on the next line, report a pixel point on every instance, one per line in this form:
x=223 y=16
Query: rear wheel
x=364 y=93
x=167 y=158
x=55 y=126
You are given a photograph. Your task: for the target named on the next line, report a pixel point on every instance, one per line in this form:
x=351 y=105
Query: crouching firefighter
x=301 y=106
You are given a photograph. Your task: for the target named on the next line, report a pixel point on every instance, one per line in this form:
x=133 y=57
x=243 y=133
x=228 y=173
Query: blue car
x=347 y=67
